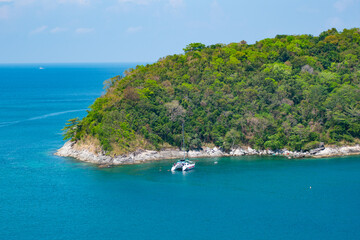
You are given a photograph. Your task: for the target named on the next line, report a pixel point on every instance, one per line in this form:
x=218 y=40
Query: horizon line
x=15 y=63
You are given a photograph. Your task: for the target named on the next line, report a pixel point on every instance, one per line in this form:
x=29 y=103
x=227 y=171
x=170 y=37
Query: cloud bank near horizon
x=145 y=30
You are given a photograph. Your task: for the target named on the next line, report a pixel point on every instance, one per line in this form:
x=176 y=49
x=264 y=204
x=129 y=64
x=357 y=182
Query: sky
x=68 y=31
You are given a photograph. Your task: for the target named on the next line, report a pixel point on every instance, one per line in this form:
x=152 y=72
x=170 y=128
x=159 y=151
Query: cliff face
x=86 y=153
x=290 y=92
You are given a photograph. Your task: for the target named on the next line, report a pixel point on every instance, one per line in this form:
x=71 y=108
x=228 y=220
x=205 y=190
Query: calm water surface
x=47 y=197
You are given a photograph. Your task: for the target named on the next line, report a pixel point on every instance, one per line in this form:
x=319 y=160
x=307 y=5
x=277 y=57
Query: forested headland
x=285 y=92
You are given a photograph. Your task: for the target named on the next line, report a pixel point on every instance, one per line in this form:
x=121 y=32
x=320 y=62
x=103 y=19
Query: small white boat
x=183 y=164
x=188 y=165
x=178 y=165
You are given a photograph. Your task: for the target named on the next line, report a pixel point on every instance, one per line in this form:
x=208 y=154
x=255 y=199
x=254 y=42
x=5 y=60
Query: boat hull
x=188 y=167
x=177 y=166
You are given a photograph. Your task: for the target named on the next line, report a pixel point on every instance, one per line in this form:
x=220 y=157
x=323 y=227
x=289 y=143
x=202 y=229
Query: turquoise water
x=47 y=197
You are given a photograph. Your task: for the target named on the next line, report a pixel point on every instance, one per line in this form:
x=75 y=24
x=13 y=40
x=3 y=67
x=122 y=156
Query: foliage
x=288 y=91
x=194 y=47
x=69 y=131
x=108 y=83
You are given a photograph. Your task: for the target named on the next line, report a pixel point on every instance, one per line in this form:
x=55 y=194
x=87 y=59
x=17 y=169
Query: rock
x=103 y=166
x=83 y=153
x=237 y=152
x=316 y=150
x=338 y=151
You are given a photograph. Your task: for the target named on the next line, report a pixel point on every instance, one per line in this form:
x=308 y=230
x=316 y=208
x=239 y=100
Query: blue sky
x=43 y=31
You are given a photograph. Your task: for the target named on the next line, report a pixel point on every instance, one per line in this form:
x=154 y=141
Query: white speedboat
x=188 y=165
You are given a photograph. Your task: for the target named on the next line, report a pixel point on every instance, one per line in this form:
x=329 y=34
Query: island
x=292 y=95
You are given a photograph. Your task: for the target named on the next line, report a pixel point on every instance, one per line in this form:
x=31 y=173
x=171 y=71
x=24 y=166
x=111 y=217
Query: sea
x=43 y=196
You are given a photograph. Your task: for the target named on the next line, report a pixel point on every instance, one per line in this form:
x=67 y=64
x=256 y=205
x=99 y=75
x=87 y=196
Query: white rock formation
x=70 y=149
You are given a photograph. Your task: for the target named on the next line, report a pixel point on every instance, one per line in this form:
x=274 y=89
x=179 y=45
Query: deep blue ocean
x=47 y=197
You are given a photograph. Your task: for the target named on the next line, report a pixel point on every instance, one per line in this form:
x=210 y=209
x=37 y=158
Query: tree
x=108 y=83
x=232 y=137
x=131 y=94
x=287 y=91
x=175 y=110
x=70 y=128
x=194 y=47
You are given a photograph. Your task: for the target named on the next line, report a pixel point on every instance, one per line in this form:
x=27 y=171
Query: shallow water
x=47 y=197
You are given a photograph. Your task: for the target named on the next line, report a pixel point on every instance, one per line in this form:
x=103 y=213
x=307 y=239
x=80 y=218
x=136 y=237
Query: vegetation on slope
x=288 y=91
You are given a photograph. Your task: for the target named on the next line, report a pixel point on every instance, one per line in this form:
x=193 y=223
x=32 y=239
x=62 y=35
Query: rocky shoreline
x=70 y=149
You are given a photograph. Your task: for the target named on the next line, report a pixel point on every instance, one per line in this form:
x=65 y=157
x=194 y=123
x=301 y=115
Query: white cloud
x=23 y=3
x=6 y=1
x=307 y=10
x=335 y=23
x=137 y=2
x=342 y=5
x=216 y=11
x=79 y=2
x=4 y=12
x=58 y=30
x=134 y=29
x=176 y=3
x=215 y=5
x=84 y=30
x=127 y=5
x=39 y=30
x=172 y=3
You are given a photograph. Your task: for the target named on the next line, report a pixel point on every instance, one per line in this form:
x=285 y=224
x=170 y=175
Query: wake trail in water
x=5 y=124
x=64 y=100
x=54 y=114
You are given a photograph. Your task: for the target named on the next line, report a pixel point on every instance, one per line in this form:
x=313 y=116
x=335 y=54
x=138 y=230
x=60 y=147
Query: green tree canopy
x=288 y=91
